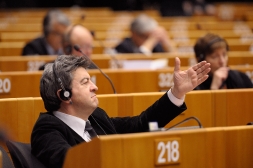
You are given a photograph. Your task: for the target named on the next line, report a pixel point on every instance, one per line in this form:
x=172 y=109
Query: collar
x=75 y=123
x=51 y=51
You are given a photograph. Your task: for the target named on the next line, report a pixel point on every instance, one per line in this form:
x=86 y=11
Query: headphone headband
x=65 y=93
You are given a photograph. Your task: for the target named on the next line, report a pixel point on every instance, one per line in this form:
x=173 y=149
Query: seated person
x=80 y=36
x=213 y=49
x=55 y=24
x=146 y=37
x=69 y=96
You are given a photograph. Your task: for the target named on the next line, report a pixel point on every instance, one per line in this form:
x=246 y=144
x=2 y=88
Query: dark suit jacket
x=127 y=46
x=35 y=47
x=235 y=80
x=51 y=138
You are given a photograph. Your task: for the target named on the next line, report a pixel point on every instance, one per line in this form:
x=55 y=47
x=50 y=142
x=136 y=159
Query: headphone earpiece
x=65 y=94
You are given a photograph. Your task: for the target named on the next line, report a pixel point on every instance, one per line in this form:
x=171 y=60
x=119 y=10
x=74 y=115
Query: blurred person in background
x=83 y=38
x=55 y=24
x=213 y=49
x=146 y=37
x=198 y=7
x=80 y=36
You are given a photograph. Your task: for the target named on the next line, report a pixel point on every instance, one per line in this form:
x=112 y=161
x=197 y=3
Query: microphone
x=111 y=53
x=77 y=48
x=187 y=119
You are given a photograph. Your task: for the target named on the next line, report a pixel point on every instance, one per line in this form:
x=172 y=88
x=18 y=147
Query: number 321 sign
x=167 y=151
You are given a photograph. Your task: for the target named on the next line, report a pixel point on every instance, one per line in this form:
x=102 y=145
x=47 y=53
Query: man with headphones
x=55 y=24
x=213 y=49
x=69 y=96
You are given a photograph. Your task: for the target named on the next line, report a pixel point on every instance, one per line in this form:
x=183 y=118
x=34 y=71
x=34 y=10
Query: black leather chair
x=6 y=160
x=21 y=155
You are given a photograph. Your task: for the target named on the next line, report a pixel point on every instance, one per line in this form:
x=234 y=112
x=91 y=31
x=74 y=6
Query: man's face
x=83 y=38
x=83 y=92
x=54 y=37
x=217 y=59
x=139 y=39
x=86 y=47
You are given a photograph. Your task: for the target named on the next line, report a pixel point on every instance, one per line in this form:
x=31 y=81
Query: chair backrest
x=6 y=160
x=21 y=155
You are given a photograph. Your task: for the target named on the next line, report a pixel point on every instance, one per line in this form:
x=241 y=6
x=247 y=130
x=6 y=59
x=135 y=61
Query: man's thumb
x=177 y=64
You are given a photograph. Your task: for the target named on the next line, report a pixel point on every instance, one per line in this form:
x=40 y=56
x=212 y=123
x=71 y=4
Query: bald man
x=78 y=35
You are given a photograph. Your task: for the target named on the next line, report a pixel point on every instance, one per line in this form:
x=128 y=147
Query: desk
x=209 y=147
x=213 y=109
x=106 y=61
x=26 y=84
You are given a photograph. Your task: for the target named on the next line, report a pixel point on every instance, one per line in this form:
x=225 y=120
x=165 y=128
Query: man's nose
x=93 y=87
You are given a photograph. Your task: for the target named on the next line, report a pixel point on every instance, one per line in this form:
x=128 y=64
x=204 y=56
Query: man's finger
x=202 y=79
x=195 y=67
x=203 y=68
x=203 y=73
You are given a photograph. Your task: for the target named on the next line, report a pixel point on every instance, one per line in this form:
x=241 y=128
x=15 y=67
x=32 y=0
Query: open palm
x=187 y=80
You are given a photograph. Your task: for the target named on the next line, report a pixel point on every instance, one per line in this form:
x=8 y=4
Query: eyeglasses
x=56 y=33
x=86 y=47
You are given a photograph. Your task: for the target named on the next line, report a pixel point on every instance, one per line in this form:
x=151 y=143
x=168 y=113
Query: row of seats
x=108 y=33
x=184 y=45
x=106 y=61
x=26 y=84
x=212 y=108
x=177 y=36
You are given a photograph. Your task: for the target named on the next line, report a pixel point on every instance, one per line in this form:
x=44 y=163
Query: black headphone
x=202 y=55
x=65 y=93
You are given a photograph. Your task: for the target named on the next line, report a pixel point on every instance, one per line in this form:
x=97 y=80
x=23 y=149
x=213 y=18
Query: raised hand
x=185 y=81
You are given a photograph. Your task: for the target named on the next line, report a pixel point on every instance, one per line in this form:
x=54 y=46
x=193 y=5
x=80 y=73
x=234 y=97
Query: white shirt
x=51 y=51
x=75 y=123
x=78 y=124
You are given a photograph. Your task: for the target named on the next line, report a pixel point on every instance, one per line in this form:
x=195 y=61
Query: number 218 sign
x=167 y=151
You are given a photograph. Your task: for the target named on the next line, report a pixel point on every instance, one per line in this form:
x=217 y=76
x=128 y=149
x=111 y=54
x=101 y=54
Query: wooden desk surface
x=26 y=84
x=212 y=108
x=210 y=147
x=106 y=61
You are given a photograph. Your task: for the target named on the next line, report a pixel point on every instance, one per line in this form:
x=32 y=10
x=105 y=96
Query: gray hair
x=54 y=16
x=143 y=24
x=64 y=65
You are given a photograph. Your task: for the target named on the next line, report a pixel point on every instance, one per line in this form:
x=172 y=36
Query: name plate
x=5 y=85
x=167 y=151
x=165 y=80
